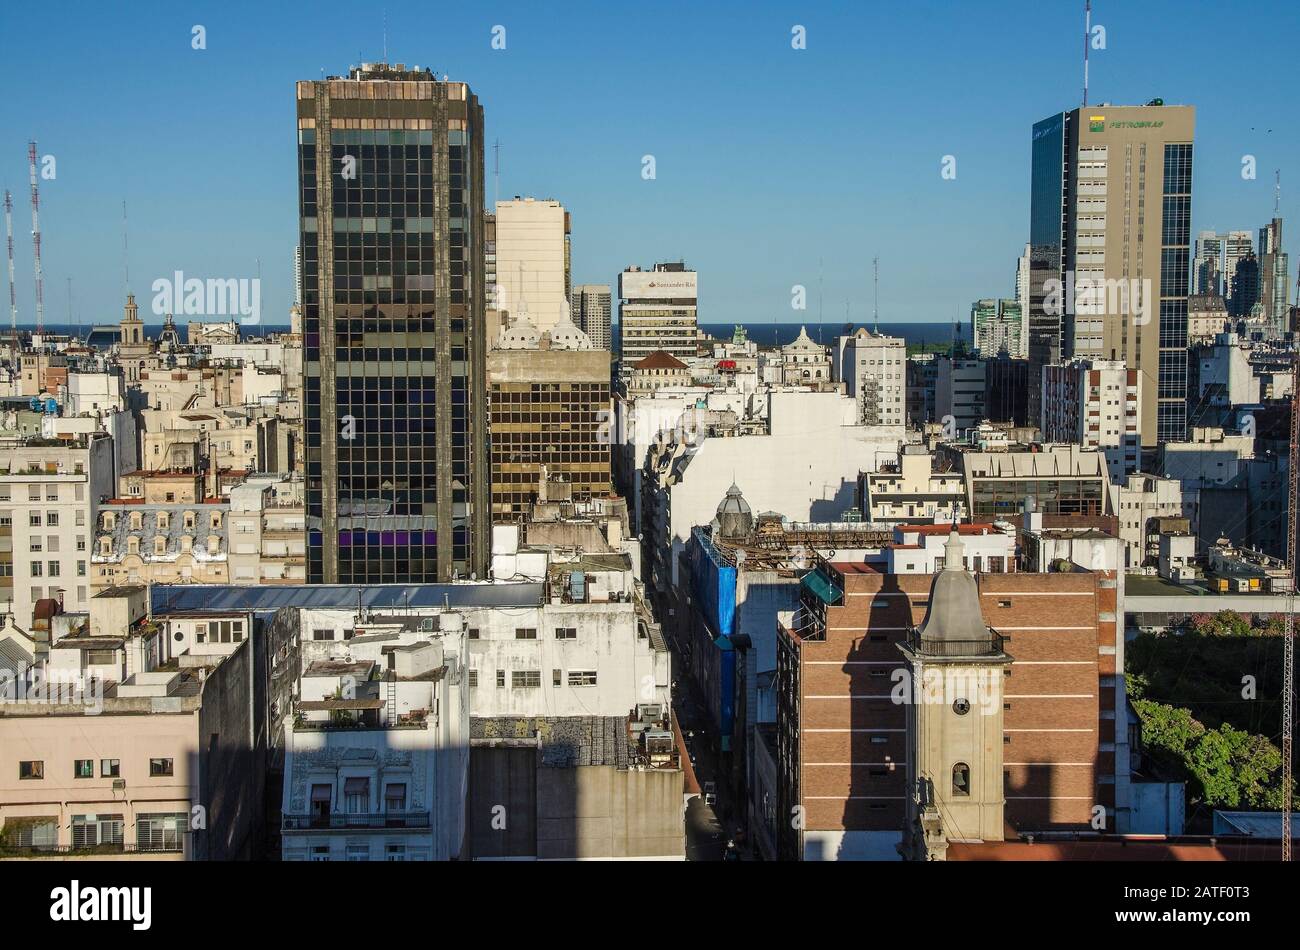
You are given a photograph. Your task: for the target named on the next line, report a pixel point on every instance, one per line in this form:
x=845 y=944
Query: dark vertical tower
x=1053 y=139
x=391 y=203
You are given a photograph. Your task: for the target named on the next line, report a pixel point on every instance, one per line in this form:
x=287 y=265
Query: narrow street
x=708 y=827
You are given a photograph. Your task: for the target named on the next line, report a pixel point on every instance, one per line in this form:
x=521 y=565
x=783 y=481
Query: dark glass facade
x=1175 y=257
x=390 y=174
x=1048 y=212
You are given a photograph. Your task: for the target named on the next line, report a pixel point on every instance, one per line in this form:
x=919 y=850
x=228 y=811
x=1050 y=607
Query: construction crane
x=36 y=240
x=1288 y=640
x=9 y=234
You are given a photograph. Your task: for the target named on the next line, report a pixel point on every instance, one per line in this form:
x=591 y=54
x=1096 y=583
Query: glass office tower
x=391 y=215
x=1110 y=225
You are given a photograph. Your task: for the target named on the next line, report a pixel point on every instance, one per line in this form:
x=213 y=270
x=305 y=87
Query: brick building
x=841 y=726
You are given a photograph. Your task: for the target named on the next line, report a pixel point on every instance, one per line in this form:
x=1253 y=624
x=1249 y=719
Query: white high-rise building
x=532 y=261
x=1022 y=295
x=592 y=312
x=873 y=369
x=1096 y=404
x=657 y=311
x=1217 y=256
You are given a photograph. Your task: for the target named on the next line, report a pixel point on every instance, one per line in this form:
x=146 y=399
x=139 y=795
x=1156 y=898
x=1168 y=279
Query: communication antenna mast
x=1277 y=193
x=36 y=239
x=9 y=234
x=126 y=254
x=875 y=276
x=1087 y=32
x=496 y=174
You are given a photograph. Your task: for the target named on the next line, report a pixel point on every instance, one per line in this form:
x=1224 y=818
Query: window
x=358 y=852
x=356 y=795
x=557 y=677
x=501 y=679
x=52 y=519
x=566 y=633
x=582 y=677
x=39 y=834
x=101 y=657
x=961 y=779
x=472 y=633
x=525 y=633
x=34 y=519
x=54 y=568
x=322 y=634
x=161 y=832
x=395 y=797
x=395 y=852
x=320 y=853
x=473 y=679
x=160 y=767
x=526 y=679
x=31 y=770
x=321 y=796
x=109 y=768
x=93 y=831
x=38 y=569
x=83 y=768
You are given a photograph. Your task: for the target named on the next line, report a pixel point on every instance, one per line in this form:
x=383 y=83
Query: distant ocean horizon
x=151 y=330
x=764 y=334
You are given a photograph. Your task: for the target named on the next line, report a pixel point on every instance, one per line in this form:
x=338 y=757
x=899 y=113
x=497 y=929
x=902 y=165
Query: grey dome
x=954 y=611
x=735 y=519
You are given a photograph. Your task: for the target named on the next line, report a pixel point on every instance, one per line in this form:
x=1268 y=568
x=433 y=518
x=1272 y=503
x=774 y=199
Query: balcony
x=88 y=850
x=347 y=821
x=955 y=649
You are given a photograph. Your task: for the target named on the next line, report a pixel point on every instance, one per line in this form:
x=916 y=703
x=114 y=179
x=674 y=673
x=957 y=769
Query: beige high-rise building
x=1110 y=231
x=532 y=261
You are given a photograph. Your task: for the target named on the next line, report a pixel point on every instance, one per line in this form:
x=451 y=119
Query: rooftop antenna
x=385 y=34
x=821 y=296
x=126 y=254
x=36 y=239
x=496 y=173
x=1087 y=32
x=1277 y=194
x=1288 y=641
x=9 y=234
x=875 y=309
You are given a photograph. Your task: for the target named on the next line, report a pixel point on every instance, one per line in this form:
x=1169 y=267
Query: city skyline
x=213 y=197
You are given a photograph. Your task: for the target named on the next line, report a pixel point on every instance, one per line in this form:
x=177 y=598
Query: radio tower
x=1087 y=34
x=36 y=239
x=875 y=279
x=9 y=234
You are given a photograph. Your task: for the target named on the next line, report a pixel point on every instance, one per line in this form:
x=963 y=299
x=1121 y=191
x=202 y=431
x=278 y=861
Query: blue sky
x=769 y=160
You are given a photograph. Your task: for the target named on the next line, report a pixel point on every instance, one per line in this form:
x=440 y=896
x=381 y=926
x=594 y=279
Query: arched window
x=961 y=779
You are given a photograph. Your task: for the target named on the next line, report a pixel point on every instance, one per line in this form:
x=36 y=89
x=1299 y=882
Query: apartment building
x=843 y=746
x=1096 y=404
x=50 y=492
x=114 y=757
x=873 y=368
